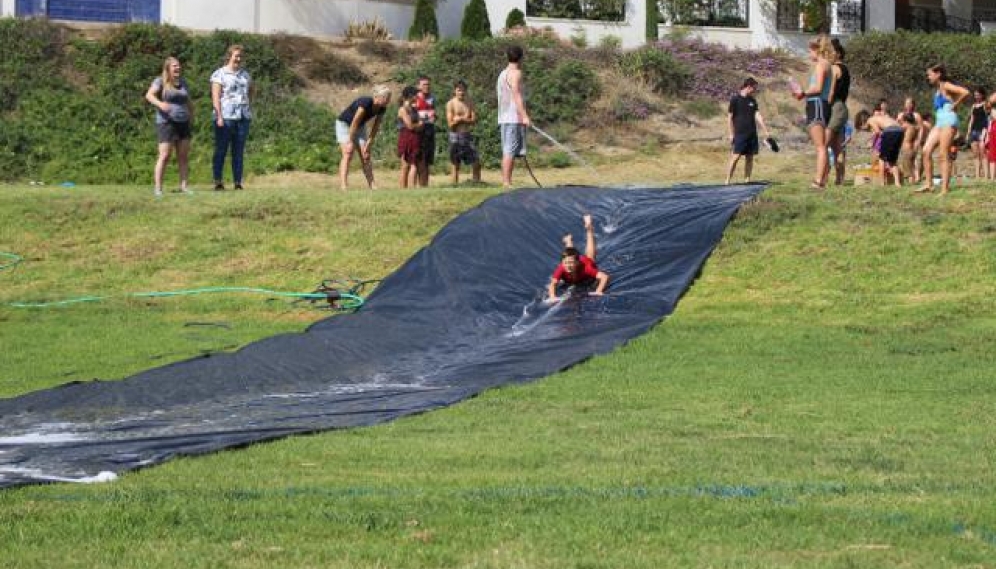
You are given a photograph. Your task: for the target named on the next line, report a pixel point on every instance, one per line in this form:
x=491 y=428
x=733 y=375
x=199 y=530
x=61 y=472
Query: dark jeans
x=234 y=134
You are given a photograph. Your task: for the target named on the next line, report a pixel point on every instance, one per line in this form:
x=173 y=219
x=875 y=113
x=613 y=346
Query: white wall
x=881 y=15
x=304 y=17
x=8 y=7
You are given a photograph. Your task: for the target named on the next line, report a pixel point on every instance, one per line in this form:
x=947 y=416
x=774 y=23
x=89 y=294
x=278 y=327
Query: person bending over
x=578 y=269
x=891 y=136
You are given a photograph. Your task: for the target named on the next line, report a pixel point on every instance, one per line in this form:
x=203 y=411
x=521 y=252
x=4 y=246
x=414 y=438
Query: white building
x=752 y=23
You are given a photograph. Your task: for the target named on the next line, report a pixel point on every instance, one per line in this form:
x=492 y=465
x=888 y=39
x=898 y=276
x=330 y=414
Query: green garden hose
x=336 y=299
x=344 y=300
x=14 y=260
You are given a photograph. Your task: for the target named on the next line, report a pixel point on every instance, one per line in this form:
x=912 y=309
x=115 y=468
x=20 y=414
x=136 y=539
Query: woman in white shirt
x=232 y=91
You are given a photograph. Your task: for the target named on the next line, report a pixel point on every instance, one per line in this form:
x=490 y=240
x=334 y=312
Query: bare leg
x=405 y=168
x=928 y=161
x=734 y=158
x=368 y=172
x=977 y=153
x=455 y=170
x=748 y=167
x=507 y=165
x=165 y=149
x=946 y=137
x=589 y=233
x=183 y=162
x=817 y=133
x=347 y=156
x=477 y=171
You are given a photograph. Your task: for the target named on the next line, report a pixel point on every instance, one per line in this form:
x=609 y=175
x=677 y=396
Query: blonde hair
x=382 y=91
x=824 y=48
x=231 y=51
x=168 y=84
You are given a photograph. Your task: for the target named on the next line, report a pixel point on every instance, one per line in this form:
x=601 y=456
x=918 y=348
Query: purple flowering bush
x=719 y=70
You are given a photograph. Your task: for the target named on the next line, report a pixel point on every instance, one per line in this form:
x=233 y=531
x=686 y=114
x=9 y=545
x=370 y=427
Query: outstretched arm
x=551 y=290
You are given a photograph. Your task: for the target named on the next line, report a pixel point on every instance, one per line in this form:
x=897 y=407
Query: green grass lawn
x=824 y=395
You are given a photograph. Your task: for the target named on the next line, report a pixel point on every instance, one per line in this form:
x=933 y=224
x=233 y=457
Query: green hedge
x=560 y=84
x=894 y=64
x=76 y=110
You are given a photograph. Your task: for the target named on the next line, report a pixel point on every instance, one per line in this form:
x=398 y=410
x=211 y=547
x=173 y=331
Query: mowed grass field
x=823 y=396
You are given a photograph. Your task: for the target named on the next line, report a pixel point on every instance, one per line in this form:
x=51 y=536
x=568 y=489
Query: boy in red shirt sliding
x=578 y=269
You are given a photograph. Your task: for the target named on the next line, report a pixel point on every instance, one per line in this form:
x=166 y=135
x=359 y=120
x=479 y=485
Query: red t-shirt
x=587 y=271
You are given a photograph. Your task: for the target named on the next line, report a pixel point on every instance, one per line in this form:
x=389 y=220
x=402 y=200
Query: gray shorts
x=513 y=139
x=838 y=117
x=342 y=133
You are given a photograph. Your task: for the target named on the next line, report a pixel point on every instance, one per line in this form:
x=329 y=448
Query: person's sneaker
x=238 y=186
x=186 y=191
x=157 y=192
x=218 y=186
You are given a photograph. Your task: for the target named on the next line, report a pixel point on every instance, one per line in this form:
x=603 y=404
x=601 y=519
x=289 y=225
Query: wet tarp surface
x=462 y=315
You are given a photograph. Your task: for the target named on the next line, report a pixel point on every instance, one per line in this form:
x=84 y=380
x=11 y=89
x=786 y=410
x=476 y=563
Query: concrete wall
x=304 y=17
x=881 y=15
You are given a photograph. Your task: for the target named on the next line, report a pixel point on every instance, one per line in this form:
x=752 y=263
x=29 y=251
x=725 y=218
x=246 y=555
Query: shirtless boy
x=461 y=116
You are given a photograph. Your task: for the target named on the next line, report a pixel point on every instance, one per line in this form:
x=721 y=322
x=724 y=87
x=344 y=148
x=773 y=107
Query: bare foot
x=587 y=222
x=568 y=240
x=923 y=190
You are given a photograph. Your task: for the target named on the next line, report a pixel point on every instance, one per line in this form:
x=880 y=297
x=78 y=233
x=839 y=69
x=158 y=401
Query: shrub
x=610 y=43
x=425 y=24
x=78 y=110
x=658 y=69
x=370 y=30
x=475 y=24
x=382 y=50
x=628 y=107
x=970 y=60
x=515 y=19
x=652 y=31
x=713 y=64
x=332 y=69
x=560 y=85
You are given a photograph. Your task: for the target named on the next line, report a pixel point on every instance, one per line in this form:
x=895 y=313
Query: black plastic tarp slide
x=464 y=314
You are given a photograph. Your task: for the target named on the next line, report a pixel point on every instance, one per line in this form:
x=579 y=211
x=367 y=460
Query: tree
x=515 y=19
x=475 y=24
x=425 y=21
x=652 y=32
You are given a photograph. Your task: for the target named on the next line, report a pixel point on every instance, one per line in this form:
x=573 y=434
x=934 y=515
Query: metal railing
x=935 y=20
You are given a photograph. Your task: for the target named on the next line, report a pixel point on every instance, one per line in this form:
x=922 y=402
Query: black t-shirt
x=743 y=109
x=366 y=103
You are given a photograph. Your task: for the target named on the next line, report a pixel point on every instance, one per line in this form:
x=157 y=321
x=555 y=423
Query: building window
x=833 y=17
x=603 y=10
x=723 y=13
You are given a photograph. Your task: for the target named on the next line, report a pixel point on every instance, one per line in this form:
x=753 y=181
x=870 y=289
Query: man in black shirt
x=743 y=118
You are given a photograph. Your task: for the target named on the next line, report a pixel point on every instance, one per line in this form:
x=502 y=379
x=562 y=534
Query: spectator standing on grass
x=978 y=122
x=232 y=91
x=946 y=100
x=352 y=135
x=743 y=117
x=461 y=116
x=168 y=93
x=425 y=104
x=409 y=133
x=513 y=120
x=838 y=110
x=818 y=94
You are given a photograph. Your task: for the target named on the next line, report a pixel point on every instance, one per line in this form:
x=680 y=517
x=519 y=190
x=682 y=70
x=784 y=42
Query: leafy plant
x=515 y=19
x=374 y=29
x=425 y=24
x=475 y=24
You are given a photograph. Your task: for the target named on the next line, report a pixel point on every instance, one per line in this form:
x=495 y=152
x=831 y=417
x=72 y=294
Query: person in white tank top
x=513 y=119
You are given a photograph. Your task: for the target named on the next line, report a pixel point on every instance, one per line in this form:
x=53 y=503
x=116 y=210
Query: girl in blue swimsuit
x=946 y=101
